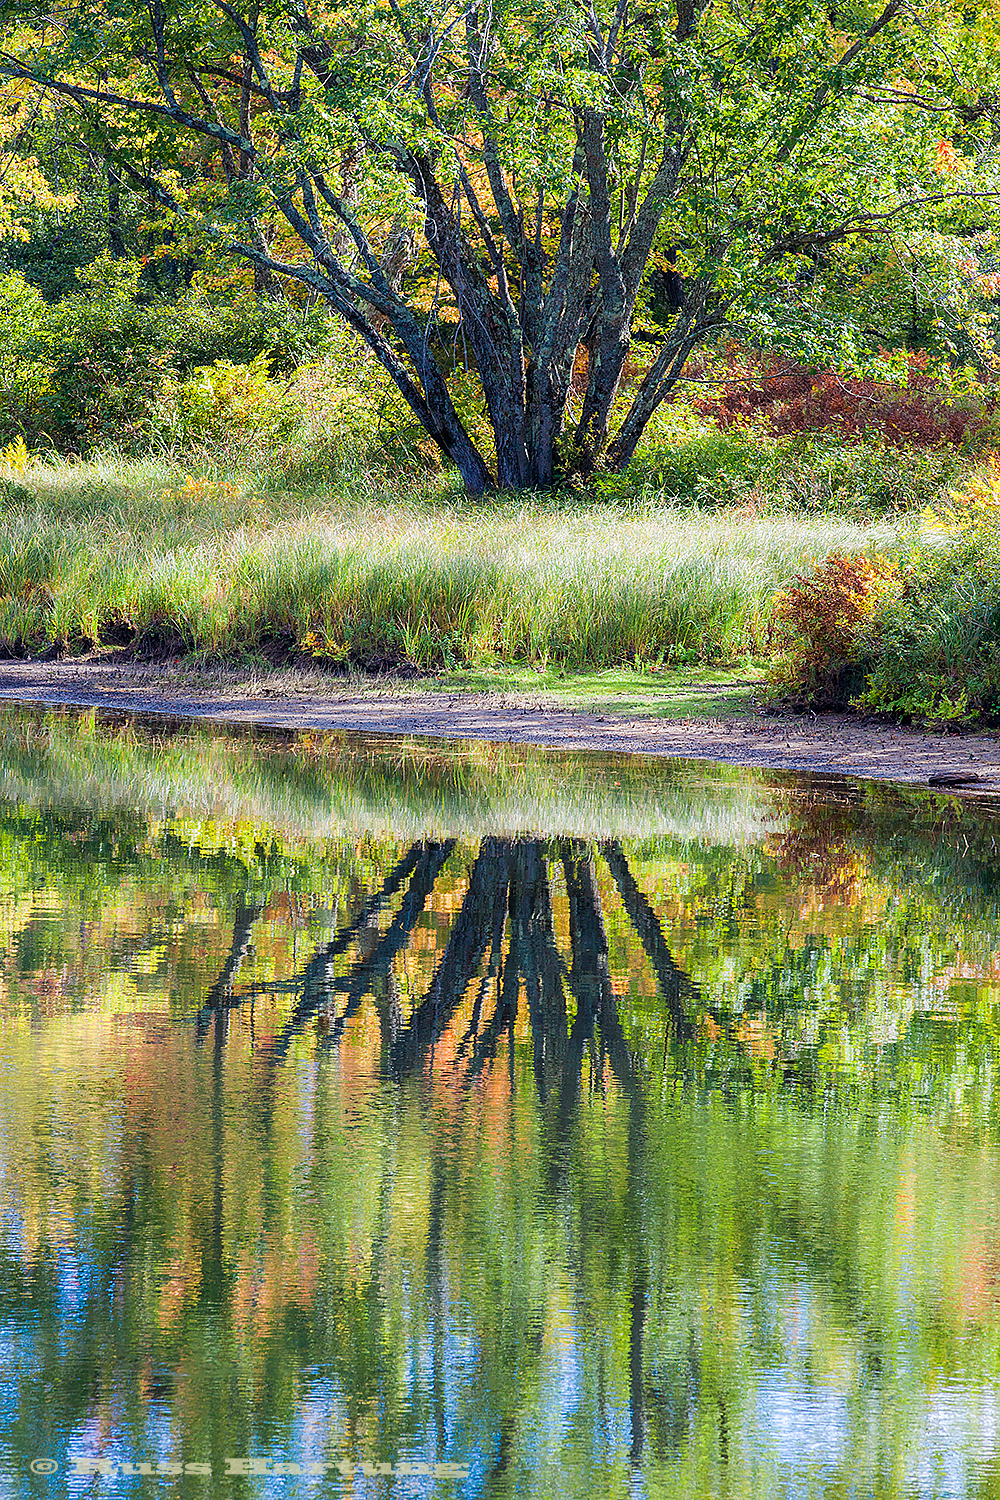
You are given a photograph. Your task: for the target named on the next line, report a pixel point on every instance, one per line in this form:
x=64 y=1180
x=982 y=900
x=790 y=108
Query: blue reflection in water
x=659 y=1160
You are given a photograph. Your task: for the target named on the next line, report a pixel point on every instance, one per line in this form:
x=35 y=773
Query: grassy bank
x=169 y=558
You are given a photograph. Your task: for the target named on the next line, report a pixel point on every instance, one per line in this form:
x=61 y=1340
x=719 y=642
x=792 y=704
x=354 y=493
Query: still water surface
x=603 y=1127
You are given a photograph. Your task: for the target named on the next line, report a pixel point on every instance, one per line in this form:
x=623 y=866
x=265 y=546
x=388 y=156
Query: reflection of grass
x=378 y=572
x=315 y=786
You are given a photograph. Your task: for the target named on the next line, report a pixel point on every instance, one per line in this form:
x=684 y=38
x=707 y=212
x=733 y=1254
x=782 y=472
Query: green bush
x=104 y=367
x=918 y=636
x=217 y=400
x=939 y=655
x=684 y=457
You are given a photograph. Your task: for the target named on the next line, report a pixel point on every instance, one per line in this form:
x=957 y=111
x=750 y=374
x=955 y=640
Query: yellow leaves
x=196 y=491
x=23 y=184
x=938 y=526
x=974 y=512
x=15 y=458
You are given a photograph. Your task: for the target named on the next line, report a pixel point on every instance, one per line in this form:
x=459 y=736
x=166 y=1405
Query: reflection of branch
x=470 y=935
x=435 y=1259
x=493 y=970
x=637 y=1328
x=675 y=986
x=220 y=996
x=385 y=992
x=590 y=975
x=589 y=979
x=318 y=983
x=543 y=967
x=532 y=956
x=505 y=1013
x=222 y=990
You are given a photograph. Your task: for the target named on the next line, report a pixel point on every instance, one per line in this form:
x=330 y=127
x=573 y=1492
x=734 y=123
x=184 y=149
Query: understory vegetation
x=289 y=511
x=280 y=504
x=384 y=574
x=912 y=630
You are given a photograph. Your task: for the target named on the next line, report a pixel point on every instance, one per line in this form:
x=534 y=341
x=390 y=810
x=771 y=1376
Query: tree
x=24 y=188
x=577 y=177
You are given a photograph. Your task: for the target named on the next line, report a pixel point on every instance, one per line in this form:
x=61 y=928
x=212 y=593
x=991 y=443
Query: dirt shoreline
x=836 y=743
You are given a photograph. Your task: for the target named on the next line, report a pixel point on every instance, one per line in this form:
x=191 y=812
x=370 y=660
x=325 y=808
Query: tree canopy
x=563 y=199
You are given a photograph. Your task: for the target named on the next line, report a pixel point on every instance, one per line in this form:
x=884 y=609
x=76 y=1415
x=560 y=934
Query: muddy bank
x=830 y=742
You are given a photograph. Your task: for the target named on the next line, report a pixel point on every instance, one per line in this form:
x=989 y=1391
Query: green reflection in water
x=610 y=1126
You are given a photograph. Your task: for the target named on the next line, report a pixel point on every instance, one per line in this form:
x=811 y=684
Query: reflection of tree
x=502 y=942
x=390 y=1252
x=644 y=1173
x=675 y=987
x=471 y=935
x=509 y=893
x=220 y=996
x=319 y=986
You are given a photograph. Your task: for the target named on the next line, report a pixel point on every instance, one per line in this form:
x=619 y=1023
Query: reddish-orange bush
x=792 y=398
x=821 y=619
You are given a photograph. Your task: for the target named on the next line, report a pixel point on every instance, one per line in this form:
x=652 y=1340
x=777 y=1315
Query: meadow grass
x=222 y=562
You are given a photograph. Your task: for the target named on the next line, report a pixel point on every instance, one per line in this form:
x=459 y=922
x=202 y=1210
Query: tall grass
x=143 y=555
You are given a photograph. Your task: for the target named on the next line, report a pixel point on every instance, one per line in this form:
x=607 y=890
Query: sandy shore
x=829 y=742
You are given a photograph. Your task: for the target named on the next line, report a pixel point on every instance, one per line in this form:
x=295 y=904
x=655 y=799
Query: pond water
x=595 y=1126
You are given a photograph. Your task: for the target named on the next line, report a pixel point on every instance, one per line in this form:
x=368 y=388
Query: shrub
x=920 y=411
x=686 y=456
x=221 y=399
x=823 y=623
x=103 y=366
x=918 y=638
x=938 y=656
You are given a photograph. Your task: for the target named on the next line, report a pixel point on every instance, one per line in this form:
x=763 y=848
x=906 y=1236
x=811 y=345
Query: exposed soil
x=831 y=742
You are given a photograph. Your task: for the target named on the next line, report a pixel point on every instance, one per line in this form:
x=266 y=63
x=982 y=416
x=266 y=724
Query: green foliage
x=940 y=656
x=686 y=458
x=219 y=400
x=58 y=246
x=351 y=419
x=102 y=366
x=924 y=640
x=758 y=168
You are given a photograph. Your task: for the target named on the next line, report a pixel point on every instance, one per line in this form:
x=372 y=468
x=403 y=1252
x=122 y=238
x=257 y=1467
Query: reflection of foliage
x=490 y=1146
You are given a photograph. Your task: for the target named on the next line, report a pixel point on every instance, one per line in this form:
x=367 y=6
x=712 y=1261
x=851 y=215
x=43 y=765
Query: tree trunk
x=116 y=236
